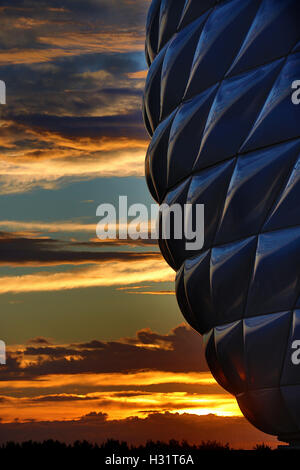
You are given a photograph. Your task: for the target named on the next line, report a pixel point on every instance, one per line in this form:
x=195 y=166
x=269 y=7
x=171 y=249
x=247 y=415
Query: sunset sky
x=97 y=346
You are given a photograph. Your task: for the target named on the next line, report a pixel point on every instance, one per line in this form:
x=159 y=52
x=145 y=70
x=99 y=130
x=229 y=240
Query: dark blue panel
x=233 y=112
x=149 y=180
x=193 y=9
x=209 y=188
x=291 y=396
x=152 y=91
x=286 y=209
x=230 y=352
x=180 y=50
x=188 y=126
x=197 y=283
x=169 y=19
x=146 y=120
x=166 y=254
x=176 y=197
x=156 y=165
x=261 y=174
x=267 y=411
x=213 y=363
x=266 y=340
x=275 y=281
x=291 y=371
x=152 y=29
x=229 y=288
x=297 y=47
x=182 y=299
x=221 y=37
x=270 y=127
x=276 y=26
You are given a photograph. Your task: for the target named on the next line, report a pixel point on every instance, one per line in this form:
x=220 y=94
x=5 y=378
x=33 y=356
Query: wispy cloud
x=39 y=32
x=151 y=292
x=118 y=404
x=37 y=252
x=69 y=45
x=45 y=158
x=135 y=269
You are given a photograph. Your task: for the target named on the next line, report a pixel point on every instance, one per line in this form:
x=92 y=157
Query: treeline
x=121 y=447
x=113 y=449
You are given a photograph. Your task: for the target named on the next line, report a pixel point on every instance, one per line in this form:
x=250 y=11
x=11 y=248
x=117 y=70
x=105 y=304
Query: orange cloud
x=18 y=175
x=50 y=158
x=28 y=227
x=152 y=292
x=136 y=379
x=117 y=405
x=141 y=74
x=103 y=275
x=73 y=44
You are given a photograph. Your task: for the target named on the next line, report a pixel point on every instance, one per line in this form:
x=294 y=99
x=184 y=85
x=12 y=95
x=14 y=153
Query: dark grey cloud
x=22 y=250
x=98 y=12
x=39 y=340
x=179 y=351
x=60 y=398
x=128 y=125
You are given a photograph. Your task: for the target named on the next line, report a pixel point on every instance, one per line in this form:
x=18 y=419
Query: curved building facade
x=220 y=104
